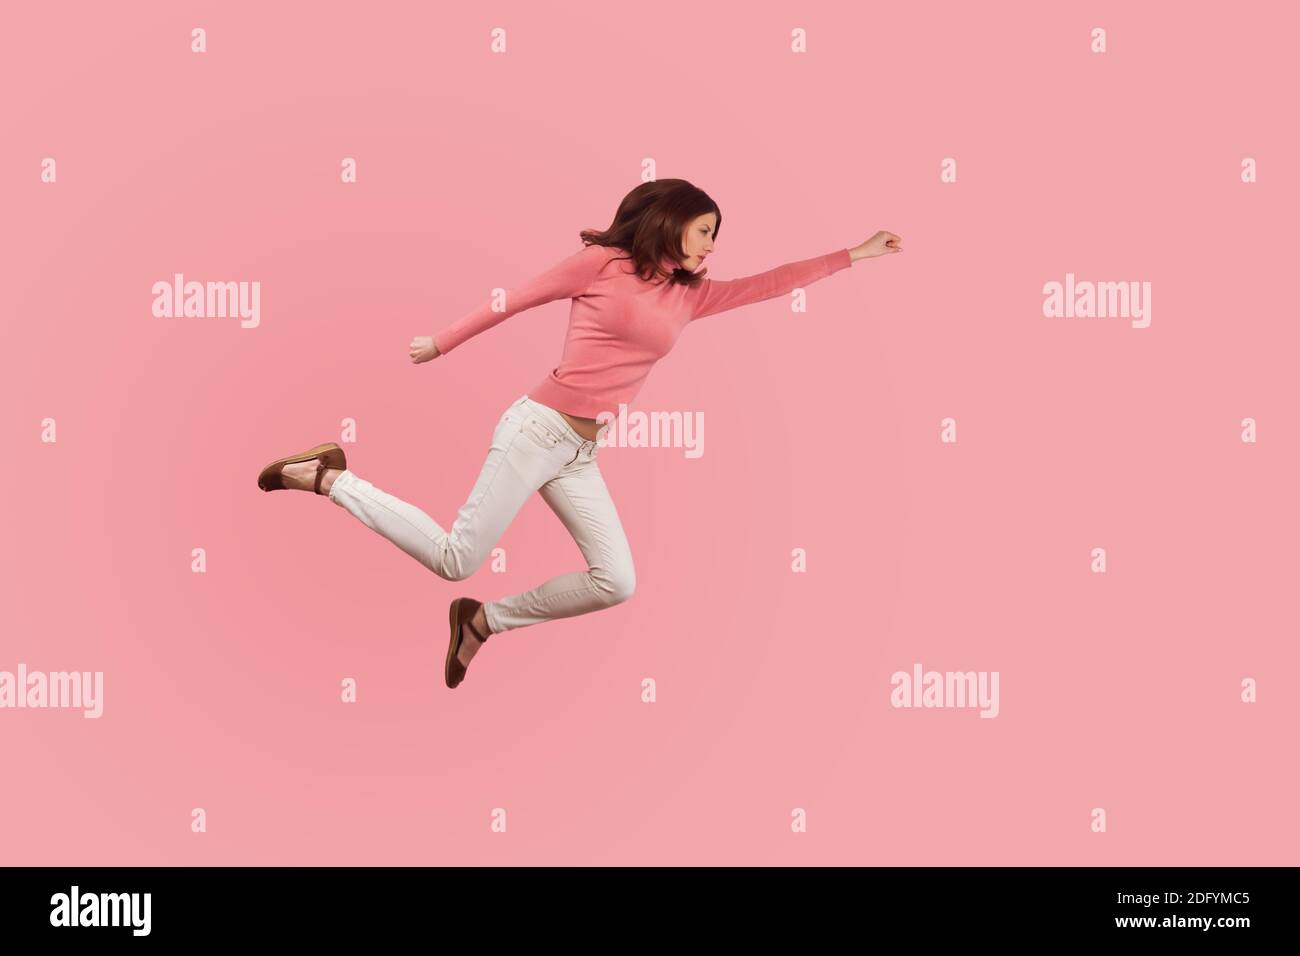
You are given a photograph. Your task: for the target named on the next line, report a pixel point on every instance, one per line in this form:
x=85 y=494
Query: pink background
x=1118 y=690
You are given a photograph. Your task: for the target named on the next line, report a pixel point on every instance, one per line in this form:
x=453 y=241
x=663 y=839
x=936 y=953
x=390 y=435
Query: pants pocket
x=541 y=434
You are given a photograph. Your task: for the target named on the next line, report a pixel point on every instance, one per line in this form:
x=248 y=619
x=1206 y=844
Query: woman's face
x=697 y=242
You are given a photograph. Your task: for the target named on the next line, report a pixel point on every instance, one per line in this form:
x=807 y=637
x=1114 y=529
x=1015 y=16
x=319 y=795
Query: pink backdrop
x=1119 y=690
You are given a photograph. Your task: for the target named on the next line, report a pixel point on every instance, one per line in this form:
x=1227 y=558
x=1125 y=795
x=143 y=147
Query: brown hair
x=649 y=224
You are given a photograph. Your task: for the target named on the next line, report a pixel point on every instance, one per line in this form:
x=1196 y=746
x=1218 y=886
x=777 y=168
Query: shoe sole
x=453 y=645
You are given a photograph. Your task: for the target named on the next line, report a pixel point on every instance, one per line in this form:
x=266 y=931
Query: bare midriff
x=586 y=427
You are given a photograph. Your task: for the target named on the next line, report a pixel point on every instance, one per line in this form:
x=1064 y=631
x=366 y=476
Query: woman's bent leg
x=581 y=500
x=502 y=488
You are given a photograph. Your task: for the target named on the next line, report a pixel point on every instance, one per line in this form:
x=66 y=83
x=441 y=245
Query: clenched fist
x=423 y=349
x=880 y=244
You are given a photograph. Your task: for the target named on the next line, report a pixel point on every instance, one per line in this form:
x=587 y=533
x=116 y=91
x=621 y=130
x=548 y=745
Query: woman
x=634 y=288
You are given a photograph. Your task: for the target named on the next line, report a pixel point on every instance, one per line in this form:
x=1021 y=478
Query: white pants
x=533 y=449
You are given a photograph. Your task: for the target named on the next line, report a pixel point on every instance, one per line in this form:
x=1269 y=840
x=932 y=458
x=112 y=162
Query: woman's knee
x=455 y=562
x=617 y=582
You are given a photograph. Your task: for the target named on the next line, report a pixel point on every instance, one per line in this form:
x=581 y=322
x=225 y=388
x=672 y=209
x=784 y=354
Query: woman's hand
x=879 y=244
x=423 y=349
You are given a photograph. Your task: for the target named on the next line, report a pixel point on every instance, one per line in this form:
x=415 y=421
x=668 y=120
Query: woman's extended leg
x=579 y=497
x=504 y=484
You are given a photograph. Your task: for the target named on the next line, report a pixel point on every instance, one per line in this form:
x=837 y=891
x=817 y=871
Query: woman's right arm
x=567 y=279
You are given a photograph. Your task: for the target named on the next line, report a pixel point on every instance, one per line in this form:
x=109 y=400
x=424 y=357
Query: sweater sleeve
x=719 y=295
x=566 y=279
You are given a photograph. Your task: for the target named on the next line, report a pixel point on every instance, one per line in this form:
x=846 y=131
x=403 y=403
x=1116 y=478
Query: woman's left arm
x=718 y=295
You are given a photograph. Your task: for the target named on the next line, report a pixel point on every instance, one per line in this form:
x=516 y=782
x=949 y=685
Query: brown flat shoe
x=462 y=611
x=328 y=455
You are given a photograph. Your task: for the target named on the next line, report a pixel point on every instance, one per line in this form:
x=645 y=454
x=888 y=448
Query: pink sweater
x=620 y=324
